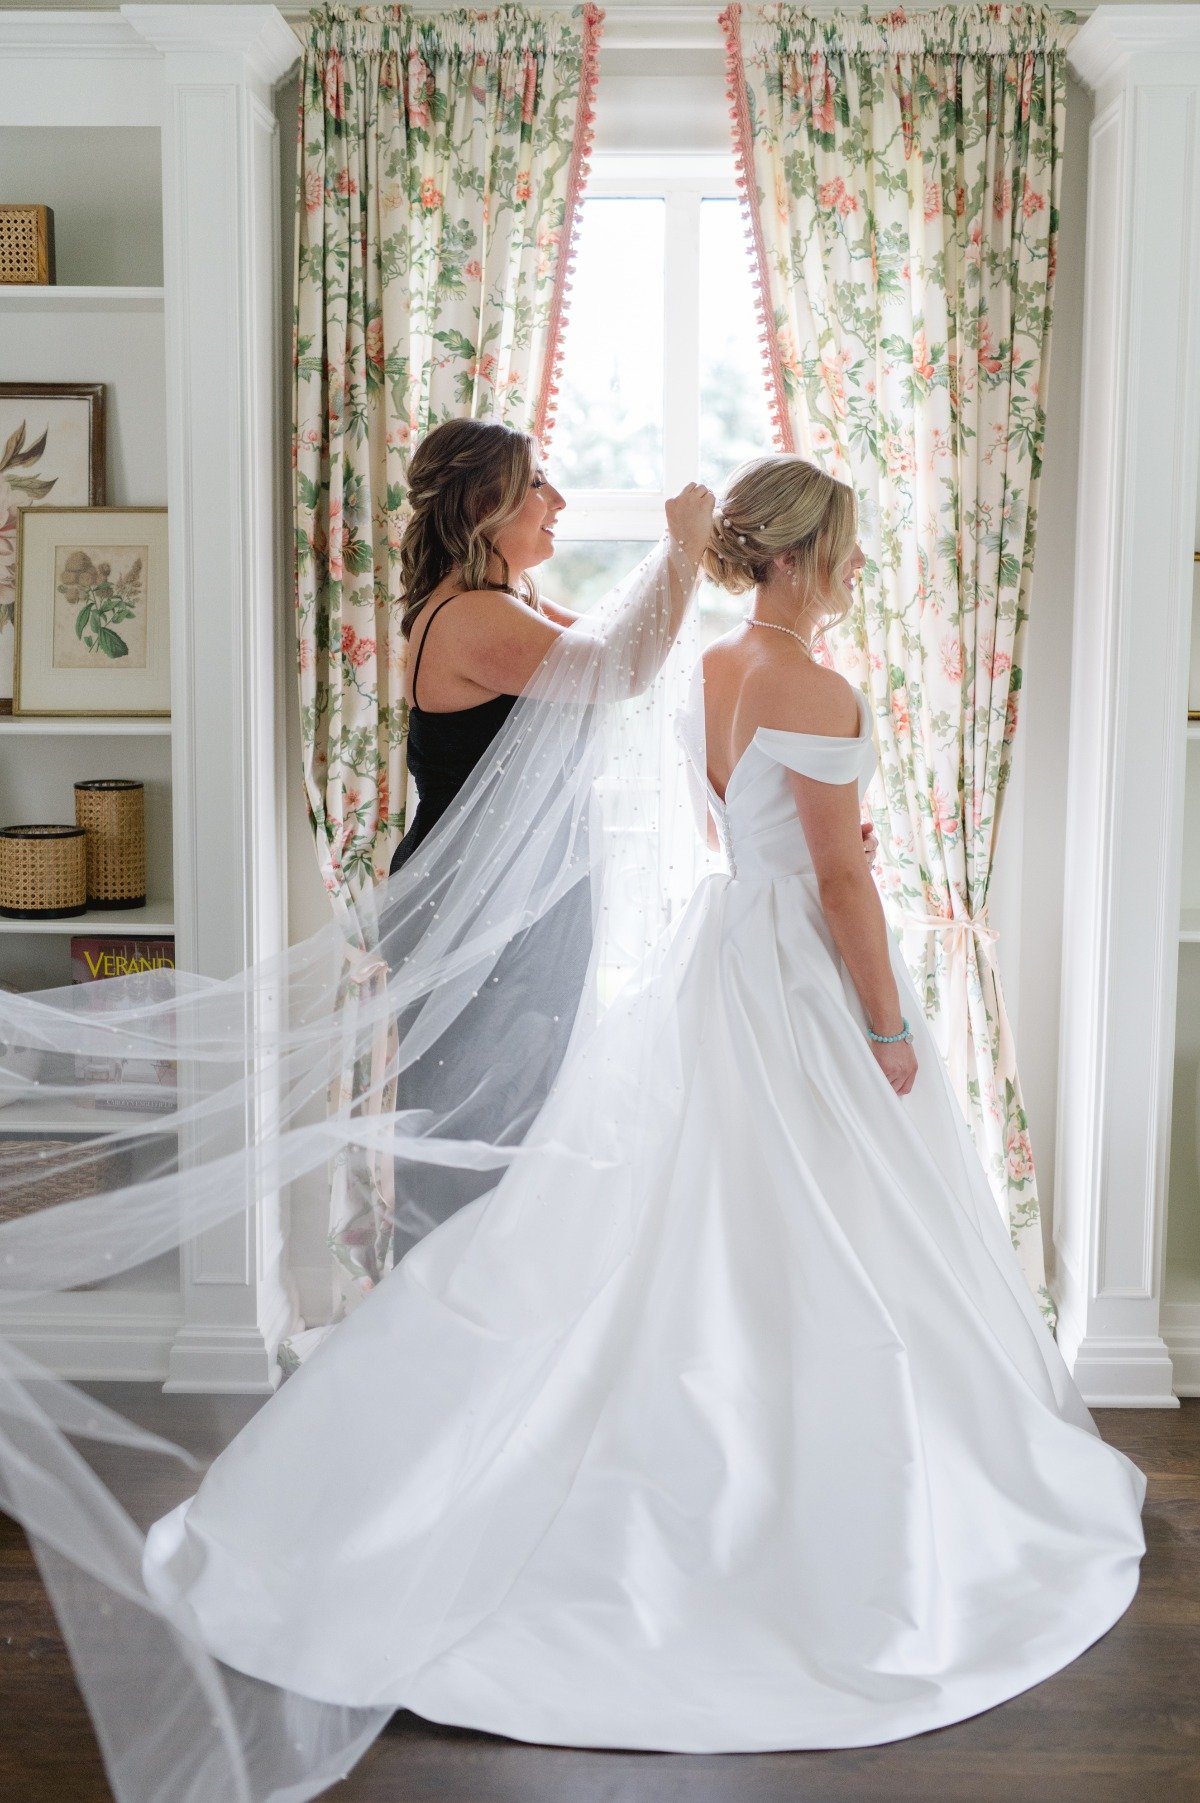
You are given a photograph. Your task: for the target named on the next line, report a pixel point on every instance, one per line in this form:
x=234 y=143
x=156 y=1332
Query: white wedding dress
x=804 y=1469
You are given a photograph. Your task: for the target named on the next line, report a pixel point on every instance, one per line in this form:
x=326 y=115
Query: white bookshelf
x=69 y=726
x=42 y=759
x=17 y=298
x=152 y=921
x=116 y=335
x=70 y=1117
x=167 y=113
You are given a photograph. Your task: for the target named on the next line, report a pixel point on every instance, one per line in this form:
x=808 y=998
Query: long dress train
x=803 y=1467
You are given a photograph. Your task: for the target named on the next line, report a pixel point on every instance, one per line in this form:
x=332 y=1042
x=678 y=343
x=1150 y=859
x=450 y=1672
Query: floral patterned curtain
x=901 y=177
x=441 y=166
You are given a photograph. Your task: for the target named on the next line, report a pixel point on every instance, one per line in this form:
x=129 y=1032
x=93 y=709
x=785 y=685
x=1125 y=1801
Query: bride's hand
x=870 y=840
x=689 y=518
x=898 y=1063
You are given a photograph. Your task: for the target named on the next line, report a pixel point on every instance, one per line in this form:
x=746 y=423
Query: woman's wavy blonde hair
x=467 y=479
x=783 y=505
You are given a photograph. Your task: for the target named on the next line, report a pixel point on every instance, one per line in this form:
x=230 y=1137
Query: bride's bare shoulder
x=790 y=693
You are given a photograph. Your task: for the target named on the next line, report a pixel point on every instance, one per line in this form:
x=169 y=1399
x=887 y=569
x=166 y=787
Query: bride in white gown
x=726 y=1420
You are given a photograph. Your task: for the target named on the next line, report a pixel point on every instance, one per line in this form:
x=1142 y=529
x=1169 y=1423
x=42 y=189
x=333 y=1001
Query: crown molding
x=257 y=35
x=1115 y=36
x=36 y=32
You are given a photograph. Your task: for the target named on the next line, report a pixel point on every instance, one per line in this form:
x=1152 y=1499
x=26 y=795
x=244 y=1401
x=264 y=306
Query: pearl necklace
x=751 y=621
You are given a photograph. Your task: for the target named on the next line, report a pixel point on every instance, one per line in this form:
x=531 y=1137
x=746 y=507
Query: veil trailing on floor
x=529 y=940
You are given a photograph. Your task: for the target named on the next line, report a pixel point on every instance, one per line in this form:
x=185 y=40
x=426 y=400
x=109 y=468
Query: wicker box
x=42 y=1172
x=27 y=245
x=112 y=811
x=43 y=872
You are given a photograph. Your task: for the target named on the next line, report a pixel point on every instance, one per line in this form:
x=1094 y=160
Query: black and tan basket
x=42 y=1172
x=26 y=245
x=112 y=811
x=43 y=872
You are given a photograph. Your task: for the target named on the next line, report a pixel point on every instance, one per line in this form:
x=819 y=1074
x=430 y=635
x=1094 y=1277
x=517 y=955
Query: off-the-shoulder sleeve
x=826 y=760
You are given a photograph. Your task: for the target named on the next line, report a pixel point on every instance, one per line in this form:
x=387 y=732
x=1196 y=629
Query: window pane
x=580 y=573
x=735 y=420
x=608 y=431
x=719 y=611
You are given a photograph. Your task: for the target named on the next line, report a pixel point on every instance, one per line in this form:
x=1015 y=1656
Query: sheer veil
x=540 y=920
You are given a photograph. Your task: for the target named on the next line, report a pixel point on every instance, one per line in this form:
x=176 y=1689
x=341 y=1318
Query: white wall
x=105 y=188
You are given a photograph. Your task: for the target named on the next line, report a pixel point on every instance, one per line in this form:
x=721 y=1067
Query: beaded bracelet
x=891 y=1038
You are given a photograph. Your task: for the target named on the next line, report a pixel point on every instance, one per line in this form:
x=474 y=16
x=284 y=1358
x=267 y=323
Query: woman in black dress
x=482 y=517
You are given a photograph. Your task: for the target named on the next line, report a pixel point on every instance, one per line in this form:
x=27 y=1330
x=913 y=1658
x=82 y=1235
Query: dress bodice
x=759 y=827
x=443 y=749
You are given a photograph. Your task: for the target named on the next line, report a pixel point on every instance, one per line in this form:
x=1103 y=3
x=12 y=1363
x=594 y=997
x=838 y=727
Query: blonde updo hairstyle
x=784 y=506
x=468 y=478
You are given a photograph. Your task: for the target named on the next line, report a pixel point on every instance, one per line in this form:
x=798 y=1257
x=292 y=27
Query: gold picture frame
x=92 y=613
x=52 y=439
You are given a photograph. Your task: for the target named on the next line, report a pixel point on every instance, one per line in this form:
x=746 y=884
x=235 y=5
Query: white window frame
x=682 y=183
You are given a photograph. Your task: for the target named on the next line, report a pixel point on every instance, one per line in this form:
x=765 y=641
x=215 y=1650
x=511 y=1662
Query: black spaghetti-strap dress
x=443 y=749
x=550 y=957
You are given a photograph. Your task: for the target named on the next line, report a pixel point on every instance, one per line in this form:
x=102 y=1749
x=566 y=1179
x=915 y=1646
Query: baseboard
x=230 y=1360
x=1122 y=1373
x=91 y=1335
x=1181 y=1331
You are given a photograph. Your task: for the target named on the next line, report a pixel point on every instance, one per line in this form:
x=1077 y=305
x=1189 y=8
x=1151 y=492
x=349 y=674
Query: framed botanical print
x=92 y=623
x=52 y=453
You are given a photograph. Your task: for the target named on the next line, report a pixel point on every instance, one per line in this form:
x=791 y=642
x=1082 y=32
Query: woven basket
x=43 y=872
x=112 y=811
x=26 y=244
x=49 y=1177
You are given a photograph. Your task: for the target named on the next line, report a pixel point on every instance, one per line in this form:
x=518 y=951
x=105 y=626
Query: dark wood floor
x=1120 y=1725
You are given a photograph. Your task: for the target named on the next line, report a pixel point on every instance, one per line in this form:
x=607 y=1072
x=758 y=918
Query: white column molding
x=1139 y=434
x=221 y=279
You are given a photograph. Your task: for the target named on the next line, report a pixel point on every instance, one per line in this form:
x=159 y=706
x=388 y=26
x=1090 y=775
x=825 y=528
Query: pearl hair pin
x=722 y=519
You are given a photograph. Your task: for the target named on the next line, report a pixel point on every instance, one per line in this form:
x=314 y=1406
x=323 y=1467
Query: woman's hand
x=898 y=1062
x=870 y=841
x=689 y=518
